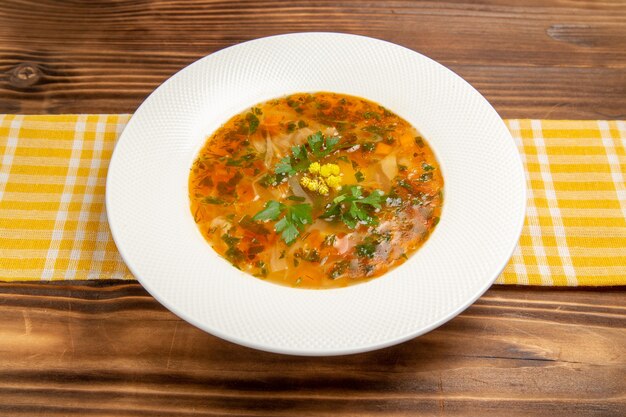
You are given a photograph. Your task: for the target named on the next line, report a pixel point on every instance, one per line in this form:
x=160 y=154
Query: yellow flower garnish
x=307 y=182
x=334 y=181
x=325 y=177
x=314 y=168
x=329 y=169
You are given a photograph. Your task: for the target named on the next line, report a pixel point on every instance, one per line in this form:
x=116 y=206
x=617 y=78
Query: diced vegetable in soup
x=316 y=190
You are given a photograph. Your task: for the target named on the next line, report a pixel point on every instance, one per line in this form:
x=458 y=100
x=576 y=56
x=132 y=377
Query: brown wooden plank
x=564 y=59
x=108 y=349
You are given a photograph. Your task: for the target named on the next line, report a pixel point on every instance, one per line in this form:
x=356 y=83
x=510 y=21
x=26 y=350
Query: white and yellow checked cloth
x=53 y=222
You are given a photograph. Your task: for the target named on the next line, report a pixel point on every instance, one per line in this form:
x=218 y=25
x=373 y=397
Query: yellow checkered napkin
x=53 y=223
x=575 y=228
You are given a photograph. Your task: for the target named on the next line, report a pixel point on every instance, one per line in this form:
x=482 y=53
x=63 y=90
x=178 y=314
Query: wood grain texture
x=531 y=58
x=109 y=349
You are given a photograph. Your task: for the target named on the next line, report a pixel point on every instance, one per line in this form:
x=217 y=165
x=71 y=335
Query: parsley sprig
x=352 y=207
x=318 y=145
x=253 y=122
x=298 y=161
x=291 y=224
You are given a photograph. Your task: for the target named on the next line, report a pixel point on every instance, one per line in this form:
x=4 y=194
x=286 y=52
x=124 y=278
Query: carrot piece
x=382 y=148
x=407 y=141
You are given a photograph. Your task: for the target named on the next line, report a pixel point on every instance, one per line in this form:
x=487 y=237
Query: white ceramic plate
x=149 y=214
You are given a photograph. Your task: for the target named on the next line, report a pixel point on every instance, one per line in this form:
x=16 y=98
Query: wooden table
x=109 y=349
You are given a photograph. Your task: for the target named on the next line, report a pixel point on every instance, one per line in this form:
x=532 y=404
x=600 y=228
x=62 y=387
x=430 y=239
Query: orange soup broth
x=233 y=178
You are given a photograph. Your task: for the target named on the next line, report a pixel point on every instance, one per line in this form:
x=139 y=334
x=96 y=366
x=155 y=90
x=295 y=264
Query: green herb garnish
x=298 y=161
x=231 y=162
x=368 y=146
x=422 y=199
x=271 y=211
x=321 y=146
x=228 y=187
x=371 y=114
x=263 y=268
x=377 y=130
x=294 y=105
x=238 y=162
x=406 y=185
x=426 y=177
x=329 y=240
x=309 y=255
x=291 y=224
x=352 y=207
x=268 y=180
x=359 y=176
x=212 y=200
x=385 y=111
x=253 y=122
x=295 y=198
x=230 y=240
x=255 y=250
x=427 y=167
x=338 y=269
x=248 y=223
x=234 y=254
x=295 y=219
x=366 y=250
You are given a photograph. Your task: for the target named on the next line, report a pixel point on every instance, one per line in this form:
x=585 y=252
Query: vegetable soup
x=316 y=190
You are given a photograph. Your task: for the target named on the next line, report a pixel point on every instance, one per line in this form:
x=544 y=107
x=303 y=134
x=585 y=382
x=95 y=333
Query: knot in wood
x=25 y=74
